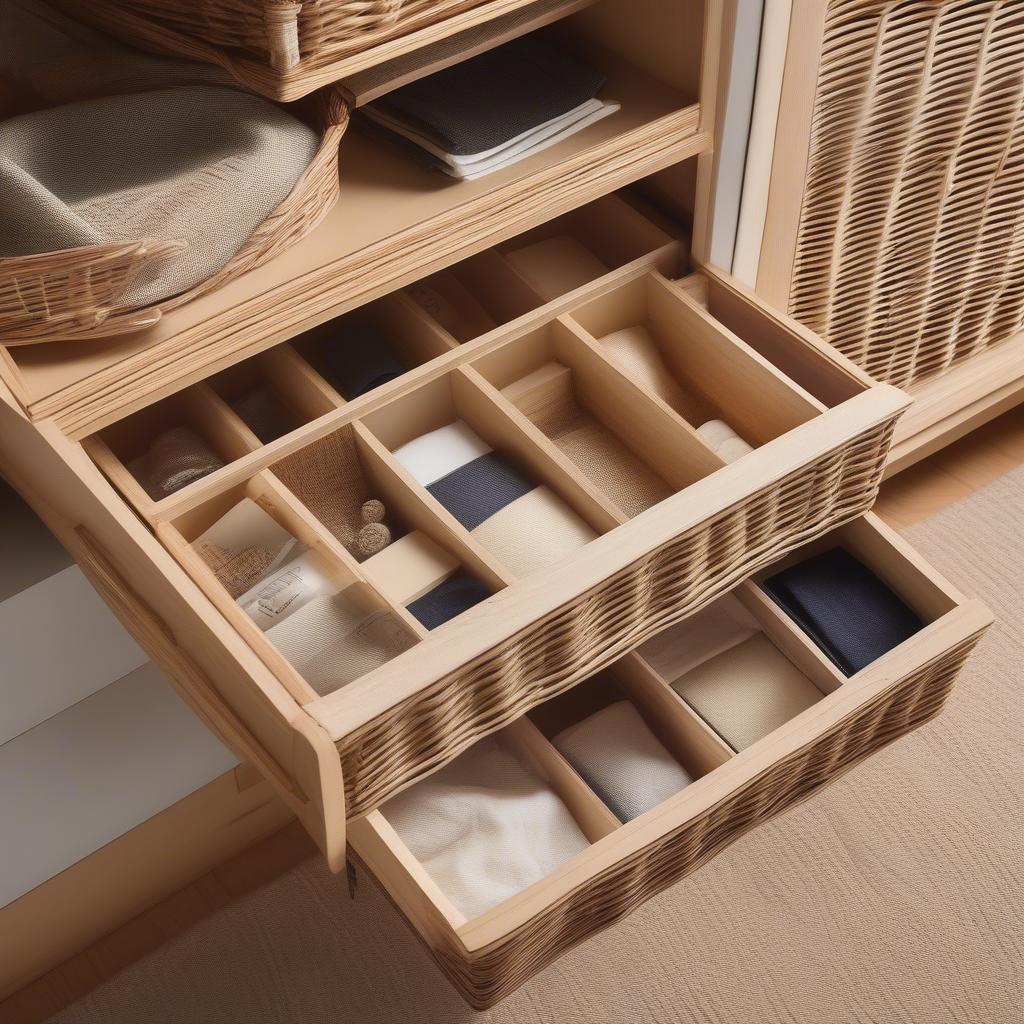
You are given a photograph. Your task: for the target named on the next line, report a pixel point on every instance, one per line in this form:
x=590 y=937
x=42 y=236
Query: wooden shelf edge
x=950 y=406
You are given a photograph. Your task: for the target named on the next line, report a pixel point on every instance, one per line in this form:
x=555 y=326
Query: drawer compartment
x=600 y=867
x=617 y=515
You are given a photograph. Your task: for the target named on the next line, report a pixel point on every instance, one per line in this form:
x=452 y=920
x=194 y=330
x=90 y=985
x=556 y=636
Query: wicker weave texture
x=77 y=294
x=910 y=251
x=492 y=974
x=430 y=728
x=283 y=34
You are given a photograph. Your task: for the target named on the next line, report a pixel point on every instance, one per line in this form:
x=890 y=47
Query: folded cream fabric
x=332 y=642
x=485 y=827
x=637 y=354
x=199 y=164
x=533 y=532
x=283 y=591
x=723 y=440
x=721 y=625
x=556 y=266
x=244 y=545
x=747 y=691
x=434 y=455
x=622 y=761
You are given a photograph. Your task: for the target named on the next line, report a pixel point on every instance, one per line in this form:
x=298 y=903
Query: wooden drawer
x=488 y=956
x=817 y=464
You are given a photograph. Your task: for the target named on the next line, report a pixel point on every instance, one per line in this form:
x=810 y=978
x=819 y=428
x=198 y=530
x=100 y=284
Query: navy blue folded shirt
x=456 y=595
x=844 y=608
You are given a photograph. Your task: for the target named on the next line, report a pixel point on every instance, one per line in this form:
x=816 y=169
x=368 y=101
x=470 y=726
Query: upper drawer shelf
x=648 y=532
x=396 y=220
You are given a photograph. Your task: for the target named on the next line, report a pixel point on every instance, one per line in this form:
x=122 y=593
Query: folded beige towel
x=723 y=440
x=747 y=691
x=533 y=532
x=485 y=827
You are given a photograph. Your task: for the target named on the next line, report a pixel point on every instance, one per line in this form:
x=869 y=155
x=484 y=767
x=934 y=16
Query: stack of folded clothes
x=494 y=110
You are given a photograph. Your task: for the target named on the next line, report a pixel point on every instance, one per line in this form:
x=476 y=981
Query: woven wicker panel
x=499 y=970
x=414 y=738
x=910 y=252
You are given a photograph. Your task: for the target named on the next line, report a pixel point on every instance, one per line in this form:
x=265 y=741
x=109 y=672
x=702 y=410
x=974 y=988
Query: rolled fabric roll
x=622 y=761
x=689 y=643
x=556 y=266
x=533 y=532
x=358 y=358
x=449 y=599
x=431 y=456
x=485 y=827
x=637 y=354
x=844 y=608
x=723 y=440
x=747 y=691
x=479 y=489
x=176 y=458
x=243 y=546
x=331 y=641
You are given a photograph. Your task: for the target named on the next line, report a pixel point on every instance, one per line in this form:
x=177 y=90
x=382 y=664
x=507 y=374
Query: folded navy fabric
x=456 y=595
x=357 y=357
x=844 y=608
x=476 y=491
x=490 y=99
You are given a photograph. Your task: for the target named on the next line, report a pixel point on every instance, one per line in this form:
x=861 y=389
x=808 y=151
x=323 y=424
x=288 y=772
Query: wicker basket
x=76 y=294
x=273 y=46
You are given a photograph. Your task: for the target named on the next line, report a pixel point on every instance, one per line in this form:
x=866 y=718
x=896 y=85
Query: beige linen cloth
x=133 y=154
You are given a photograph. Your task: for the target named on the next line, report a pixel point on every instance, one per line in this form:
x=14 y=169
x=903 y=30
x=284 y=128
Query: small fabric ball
x=373 y=537
x=373 y=511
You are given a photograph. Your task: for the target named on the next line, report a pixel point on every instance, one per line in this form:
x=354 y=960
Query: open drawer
x=627 y=517
x=607 y=816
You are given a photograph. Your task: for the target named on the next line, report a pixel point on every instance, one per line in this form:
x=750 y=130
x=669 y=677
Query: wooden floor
x=914 y=495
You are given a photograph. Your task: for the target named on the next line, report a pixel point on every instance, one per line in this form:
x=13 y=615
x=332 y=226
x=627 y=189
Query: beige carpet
x=894 y=896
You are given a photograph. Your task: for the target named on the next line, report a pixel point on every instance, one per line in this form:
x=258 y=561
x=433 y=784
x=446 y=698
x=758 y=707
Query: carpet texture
x=891 y=898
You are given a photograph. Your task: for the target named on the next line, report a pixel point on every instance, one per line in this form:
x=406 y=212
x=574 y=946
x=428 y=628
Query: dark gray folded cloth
x=844 y=608
x=456 y=595
x=488 y=100
x=264 y=414
x=476 y=491
x=357 y=357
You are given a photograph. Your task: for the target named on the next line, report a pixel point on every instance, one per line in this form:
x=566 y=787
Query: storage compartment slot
x=161 y=450
x=630 y=448
x=729 y=665
x=478 y=473
x=580 y=247
x=274 y=393
x=474 y=296
x=362 y=350
x=265 y=562
x=659 y=335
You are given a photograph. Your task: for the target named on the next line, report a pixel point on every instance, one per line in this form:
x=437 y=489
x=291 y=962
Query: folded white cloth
x=637 y=355
x=331 y=641
x=721 y=625
x=283 y=591
x=485 y=827
x=622 y=761
x=434 y=455
x=723 y=440
x=556 y=266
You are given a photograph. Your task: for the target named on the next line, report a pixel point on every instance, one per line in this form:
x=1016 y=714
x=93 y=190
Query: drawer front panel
x=494 y=973
x=574 y=641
